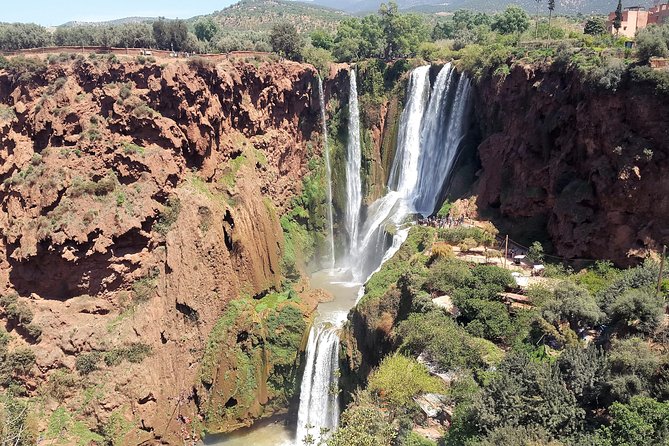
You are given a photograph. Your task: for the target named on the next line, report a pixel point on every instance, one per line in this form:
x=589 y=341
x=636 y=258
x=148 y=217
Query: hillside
x=261 y=15
x=568 y=7
x=123 y=21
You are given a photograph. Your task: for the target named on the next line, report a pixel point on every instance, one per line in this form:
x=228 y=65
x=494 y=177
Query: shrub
x=34 y=331
x=143 y=111
x=21 y=360
x=8 y=299
x=536 y=253
x=169 y=215
x=398 y=379
x=200 y=63
x=143 y=288
x=61 y=384
x=87 y=363
x=126 y=91
x=442 y=250
x=447 y=275
x=609 y=75
x=639 y=308
x=652 y=42
x=20 y=313
x=468 y=244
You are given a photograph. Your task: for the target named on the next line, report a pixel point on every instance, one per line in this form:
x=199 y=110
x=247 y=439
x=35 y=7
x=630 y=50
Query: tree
x=17 y=36
x=536 y=253
x=286 y=41
x=206 y=29
x=531 y=394
x=585 y=372
x=573 y=304
x=617 y=21
x=551 y=8
x=403 y=33
x=642 y=421
x=170 y=34
x=639 y=308
x=653 y=42
x=320 y=38
x=594 y=27
x=512 y=21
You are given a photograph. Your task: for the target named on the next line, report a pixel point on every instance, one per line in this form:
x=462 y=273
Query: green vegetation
x=254 y=345
x=399 y=379
x=523 y=373
x=304 y=225
x=169 y=215
x=87 y=363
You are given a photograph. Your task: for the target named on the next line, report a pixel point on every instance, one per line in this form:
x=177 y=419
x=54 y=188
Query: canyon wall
x=141 y=226
x=574 y=165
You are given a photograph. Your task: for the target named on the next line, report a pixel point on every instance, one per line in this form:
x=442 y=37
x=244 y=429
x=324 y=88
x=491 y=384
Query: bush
x=125 y=91
x=639 y=308
x=87 y=363
x=200 y=63
x=21 y=360
x=34 y=331
x=20 y=313
x=652 y=42
x=168 y=216
x=398 y=379
x=143 y=111
x=442 y=251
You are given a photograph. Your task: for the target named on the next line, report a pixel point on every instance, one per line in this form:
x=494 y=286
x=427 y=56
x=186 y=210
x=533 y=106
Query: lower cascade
x=319 y=396
x=432 y=126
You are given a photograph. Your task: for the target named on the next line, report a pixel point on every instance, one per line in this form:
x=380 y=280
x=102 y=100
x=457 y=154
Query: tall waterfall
x=353 y=163
x=439 y=142
x=432 y=126
x=328 y=173
x=319 y=397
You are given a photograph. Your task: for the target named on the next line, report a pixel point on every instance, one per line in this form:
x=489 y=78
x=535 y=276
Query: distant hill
x=563 y=7
x=110 y=22
x=261 y=15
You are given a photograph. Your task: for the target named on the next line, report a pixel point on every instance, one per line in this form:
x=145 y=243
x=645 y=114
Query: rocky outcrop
x=582 y=165
x=138 y=202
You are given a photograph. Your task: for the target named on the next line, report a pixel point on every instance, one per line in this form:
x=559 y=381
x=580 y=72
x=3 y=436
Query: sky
x=54 y=12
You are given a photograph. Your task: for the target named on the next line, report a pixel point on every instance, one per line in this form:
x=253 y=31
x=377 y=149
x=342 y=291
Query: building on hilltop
x=658 y=14
x=636 y=18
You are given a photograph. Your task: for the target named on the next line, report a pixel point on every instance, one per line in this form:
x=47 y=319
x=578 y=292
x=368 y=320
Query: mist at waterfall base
x=432 y=126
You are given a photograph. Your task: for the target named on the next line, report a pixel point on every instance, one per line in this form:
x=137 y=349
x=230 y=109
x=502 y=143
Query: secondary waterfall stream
x=432 y=126
x=353 y=165
x=328 y=173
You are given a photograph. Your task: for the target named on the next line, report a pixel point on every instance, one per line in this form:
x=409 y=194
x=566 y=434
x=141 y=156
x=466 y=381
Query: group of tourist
x=441 y=222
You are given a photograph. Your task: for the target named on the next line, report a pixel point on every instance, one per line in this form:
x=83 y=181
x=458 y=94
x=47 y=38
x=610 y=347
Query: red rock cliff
x=138 y=201
x=587 y=166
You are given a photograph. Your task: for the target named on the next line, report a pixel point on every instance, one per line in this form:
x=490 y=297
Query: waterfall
x=328 y=173
x=440 y=142
x=353 y=161
x=431 y=128
x=319 y=395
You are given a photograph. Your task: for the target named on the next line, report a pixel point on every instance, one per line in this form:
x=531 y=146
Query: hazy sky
x=54 y=12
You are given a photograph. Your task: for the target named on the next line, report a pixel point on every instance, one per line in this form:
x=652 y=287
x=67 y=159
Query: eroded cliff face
x=139 y=203
x=586 y=166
